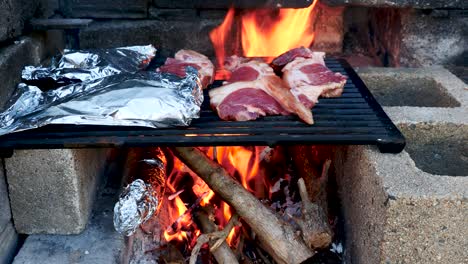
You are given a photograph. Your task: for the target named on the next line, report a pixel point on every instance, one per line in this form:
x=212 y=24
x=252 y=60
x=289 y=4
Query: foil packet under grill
x=86 y=65
x=136 y=205
x=148 y=99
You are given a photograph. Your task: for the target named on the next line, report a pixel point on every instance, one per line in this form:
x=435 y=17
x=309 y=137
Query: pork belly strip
x=185 y=58
x=309 y=80
x=253 y=91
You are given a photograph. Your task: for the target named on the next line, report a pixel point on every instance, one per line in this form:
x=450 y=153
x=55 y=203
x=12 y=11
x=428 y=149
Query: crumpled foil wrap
x=148 y=99
x=136 y=205
x=85 y=65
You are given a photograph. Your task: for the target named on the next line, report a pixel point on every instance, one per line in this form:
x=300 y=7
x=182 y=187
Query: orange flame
x=219 y=36
x=179 y=235
x=241 y=159
x=267 y=32
x=240 y=162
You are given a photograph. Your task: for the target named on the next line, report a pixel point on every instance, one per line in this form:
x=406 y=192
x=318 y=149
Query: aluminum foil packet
x=86 y=65
x=147 y=99
x=136 y=205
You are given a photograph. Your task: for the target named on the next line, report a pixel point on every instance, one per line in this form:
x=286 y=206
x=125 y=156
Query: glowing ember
x=266 y=32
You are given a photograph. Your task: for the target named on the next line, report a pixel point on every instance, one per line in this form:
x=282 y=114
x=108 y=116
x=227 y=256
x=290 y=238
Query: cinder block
x=98 y=244
x=13 y=15
x=52 y=191
x=410 y=207
x=8 y=236
x=8 y=242
x=173 y=14
x=105 y=8
x=25 y=51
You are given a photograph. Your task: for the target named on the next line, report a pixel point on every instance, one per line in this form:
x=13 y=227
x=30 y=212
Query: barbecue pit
x=385 y=203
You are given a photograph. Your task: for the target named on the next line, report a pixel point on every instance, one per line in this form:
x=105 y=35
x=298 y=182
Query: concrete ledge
x=397 y=210
x=52 y=191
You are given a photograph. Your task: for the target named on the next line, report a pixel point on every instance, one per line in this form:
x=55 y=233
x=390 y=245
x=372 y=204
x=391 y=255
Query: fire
x=266 y=32
x=219 y=36
x=243 y=160
x=179 y=235
x=243 y=163
x=227 y=215
x=180 y=207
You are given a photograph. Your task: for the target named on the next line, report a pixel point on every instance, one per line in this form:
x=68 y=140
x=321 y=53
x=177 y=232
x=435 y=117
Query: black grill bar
x=355 y=118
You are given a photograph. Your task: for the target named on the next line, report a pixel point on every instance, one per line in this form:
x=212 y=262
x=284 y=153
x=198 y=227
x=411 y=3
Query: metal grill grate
x=355 y=118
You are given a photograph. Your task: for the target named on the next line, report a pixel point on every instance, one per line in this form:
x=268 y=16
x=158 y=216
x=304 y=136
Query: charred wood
x=279 y=238
x=222 y=253
x=312 y=164
x=314 y=224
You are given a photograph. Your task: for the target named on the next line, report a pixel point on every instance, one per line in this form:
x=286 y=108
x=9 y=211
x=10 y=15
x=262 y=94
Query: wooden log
x=311 y=164
x=223 y=253
x=279 y=238
x=314 y=224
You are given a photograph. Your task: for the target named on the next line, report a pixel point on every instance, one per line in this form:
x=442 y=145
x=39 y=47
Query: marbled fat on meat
x=253 y=91
x=184 y=58
x=309 y=80
x=249 y=104
x=302 y=52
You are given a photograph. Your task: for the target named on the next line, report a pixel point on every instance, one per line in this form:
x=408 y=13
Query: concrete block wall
x=410 y=207
x=173 y=25
x=15 y=52
x=52 y=191
x=407 y=37
x=8 y=235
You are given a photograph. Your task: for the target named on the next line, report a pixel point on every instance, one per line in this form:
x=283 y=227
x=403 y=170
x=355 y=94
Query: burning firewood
x=307 y=161
x=315 y=229
x=216 y=239
x=278 y=238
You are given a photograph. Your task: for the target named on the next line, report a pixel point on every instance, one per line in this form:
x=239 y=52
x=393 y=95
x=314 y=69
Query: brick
x=52 y=191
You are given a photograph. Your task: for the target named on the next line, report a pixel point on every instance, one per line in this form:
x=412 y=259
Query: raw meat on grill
x=282 y=60
x=309 y=78
x=184 y=58
x=233 y=62
x=253 y=91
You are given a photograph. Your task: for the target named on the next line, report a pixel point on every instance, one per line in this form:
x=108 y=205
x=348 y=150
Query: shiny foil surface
x=86 y=65
x=136 y=205
x=148 y=99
